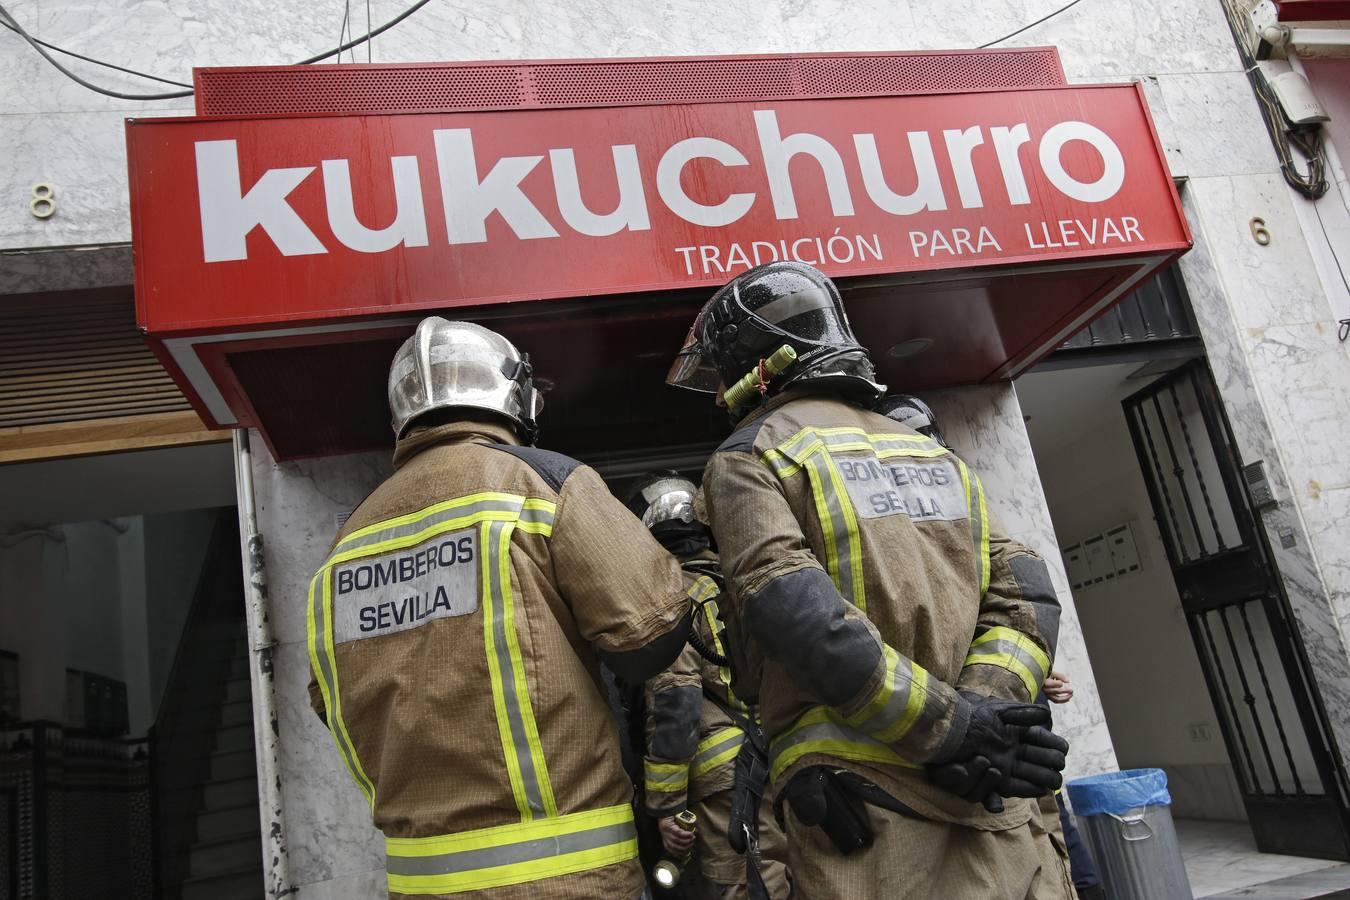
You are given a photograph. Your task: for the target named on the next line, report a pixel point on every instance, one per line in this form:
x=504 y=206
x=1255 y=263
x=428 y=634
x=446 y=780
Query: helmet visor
x=693 y=368
x=808 y=313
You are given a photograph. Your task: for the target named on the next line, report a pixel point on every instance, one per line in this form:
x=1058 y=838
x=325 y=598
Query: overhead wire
x=7 y=19
x=1045 y=18
x=98 y=62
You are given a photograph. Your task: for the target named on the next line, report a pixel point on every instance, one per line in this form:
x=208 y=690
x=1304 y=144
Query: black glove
x=1007 y=750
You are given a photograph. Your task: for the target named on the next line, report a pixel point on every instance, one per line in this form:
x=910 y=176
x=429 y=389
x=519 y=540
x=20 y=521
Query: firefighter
x=1047 y=824
x=696 y=725
x=455 y=632
x=893 y=636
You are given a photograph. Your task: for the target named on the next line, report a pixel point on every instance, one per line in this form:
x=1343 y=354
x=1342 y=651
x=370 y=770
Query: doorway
x=1158 y=674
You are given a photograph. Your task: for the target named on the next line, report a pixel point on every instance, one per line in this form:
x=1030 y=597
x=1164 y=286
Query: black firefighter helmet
x=756 y=314
x=910 y=410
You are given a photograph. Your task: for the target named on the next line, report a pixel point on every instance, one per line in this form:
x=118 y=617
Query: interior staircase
x=225 y=857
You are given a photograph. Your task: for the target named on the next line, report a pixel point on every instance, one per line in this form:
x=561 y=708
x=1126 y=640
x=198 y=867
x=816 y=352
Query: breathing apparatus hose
x=696 y=641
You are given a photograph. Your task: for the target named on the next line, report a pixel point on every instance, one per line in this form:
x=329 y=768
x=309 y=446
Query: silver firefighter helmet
x=460 y=365
x=663 y=497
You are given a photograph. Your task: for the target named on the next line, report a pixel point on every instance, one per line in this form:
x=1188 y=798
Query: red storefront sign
x=271 y=220
x=585 y=208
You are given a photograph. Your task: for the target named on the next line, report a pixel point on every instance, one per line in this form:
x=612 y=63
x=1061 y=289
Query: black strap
x=753 y=732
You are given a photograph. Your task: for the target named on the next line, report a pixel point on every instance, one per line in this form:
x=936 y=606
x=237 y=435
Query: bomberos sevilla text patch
x=923 y=490
x=402 y=589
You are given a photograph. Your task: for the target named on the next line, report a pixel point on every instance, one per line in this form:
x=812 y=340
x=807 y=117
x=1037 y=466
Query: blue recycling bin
x=1127 y=820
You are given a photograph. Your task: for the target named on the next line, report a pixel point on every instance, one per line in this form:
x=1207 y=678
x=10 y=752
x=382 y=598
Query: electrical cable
x=98 y=62
x=1308 y=140
x=342 y=31
x=13 y=25
x=168 y=95
x=1032 y=25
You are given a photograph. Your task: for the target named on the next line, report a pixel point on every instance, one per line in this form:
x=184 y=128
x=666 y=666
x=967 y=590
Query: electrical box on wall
x=1101 y=558
x=1296 y=99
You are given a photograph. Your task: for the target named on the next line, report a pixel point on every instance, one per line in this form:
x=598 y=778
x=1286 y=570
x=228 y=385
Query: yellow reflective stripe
x=821 y=730
x=511 y=854
x=979 y=523
x=501 y=514
x=850 y=435
x=717 y=748
x=983 y=519
x=534 y=509
x=323 y=663
x=665 y=778
x=898 y=701
x=536 y=747
x=828 y=522
x=525 y=767
x=703 y=588
x=914 y=704
x=1006 y=648
x=853 y=539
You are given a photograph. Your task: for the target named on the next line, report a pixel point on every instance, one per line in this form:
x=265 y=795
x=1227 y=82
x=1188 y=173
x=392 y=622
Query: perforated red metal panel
x=430 y=87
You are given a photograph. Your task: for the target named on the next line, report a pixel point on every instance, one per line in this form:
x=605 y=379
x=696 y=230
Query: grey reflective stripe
x=675 y=779
x=445 y=515
x=515 y=720
x=878 y=441
x=527 y=851
x=843 y=543
x=327 y=672
x=998 y=648
x=735 y=739
x=893 y=710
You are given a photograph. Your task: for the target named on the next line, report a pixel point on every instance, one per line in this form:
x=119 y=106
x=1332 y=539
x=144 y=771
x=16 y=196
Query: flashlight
x=666 y=873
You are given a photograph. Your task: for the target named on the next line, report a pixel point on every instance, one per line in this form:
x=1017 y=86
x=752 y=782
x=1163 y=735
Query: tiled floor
x=1222 y=860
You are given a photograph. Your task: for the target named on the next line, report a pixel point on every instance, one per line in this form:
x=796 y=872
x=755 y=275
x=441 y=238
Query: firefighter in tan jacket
x=455 y=632
x=692 y=738
x=893 y=636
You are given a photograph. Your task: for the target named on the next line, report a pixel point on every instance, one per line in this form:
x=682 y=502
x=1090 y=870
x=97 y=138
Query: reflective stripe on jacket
x=453 y=633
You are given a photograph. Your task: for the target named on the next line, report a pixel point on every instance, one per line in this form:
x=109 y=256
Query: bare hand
x=1057 y=688
x=675 y=839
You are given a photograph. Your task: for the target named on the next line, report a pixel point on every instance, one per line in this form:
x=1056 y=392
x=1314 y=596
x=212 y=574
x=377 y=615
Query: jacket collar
x=464 y=431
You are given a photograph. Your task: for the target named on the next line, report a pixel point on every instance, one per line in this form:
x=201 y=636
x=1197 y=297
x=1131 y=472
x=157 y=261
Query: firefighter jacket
x=867 y=584
x=691 y=741
x=453 y=639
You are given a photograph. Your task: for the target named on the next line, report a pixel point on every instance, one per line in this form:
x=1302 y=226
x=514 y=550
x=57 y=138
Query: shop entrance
x=1254 y=666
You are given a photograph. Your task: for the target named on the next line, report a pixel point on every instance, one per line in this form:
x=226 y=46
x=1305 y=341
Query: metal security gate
x=1269 y=709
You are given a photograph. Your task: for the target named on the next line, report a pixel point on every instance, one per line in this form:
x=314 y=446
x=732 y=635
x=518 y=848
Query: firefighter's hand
x=675 y=839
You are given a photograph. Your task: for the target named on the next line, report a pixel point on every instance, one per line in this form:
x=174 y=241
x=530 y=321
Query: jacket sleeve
x=624 y=589
x=1018 y=625
x=793 y=611
x=674 y=719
